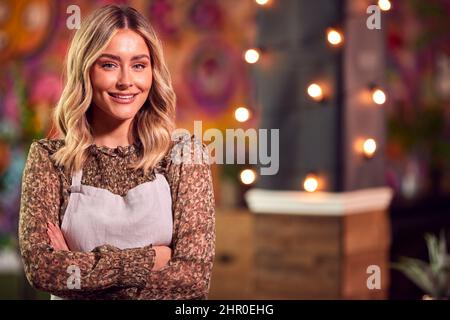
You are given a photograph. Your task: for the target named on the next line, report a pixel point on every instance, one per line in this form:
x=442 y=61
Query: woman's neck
x=110 y=132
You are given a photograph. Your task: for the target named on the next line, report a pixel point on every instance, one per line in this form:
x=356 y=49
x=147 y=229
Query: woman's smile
x=124 y=98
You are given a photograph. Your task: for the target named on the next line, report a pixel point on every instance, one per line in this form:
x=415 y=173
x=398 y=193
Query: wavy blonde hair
x=154 y=123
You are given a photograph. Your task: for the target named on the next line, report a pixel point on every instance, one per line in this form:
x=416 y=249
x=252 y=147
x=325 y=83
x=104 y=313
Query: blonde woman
x=115 y=208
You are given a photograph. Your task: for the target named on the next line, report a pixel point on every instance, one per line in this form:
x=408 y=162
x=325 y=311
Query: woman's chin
x=123 y=112
x=123 y=115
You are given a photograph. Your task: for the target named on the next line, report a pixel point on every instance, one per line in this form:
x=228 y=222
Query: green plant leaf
x=433 y=277
x=418 y=272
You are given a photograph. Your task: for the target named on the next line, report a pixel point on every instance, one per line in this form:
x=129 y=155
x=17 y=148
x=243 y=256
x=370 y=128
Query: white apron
x=96 y=216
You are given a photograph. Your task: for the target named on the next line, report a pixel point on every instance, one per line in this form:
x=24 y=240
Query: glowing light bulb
x=334 y=37
x=262 y=2
x=311 y=183
x=242 y=114
x=248 y=176
x=378 y=96
x=369 y=148
x=384 y=5
x=315 y=91
x=251 y=56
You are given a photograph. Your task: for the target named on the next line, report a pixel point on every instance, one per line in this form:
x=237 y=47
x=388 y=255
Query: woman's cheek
x=144 y=81
x=104 y=80
x=100 y=79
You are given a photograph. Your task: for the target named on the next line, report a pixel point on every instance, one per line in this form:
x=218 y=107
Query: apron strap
x=76 y=181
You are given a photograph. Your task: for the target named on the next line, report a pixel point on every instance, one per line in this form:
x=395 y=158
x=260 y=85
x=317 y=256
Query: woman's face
x=122 y=76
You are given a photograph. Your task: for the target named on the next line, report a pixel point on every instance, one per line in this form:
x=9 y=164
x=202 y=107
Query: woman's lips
x=123 y=98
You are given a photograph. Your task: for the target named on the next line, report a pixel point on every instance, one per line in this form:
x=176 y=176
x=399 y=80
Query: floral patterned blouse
x=108 y=272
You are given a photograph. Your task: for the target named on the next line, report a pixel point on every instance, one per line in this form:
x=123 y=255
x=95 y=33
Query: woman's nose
x=124 y=81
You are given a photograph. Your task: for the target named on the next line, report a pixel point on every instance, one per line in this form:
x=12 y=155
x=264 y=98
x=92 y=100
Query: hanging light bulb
x=248 y=176
x=378 y=96
x=311 y=183
x=242 y=114
x=369 y=147
x=252 y=56
x=384 y=5
x=334 y=36
x=315 y=92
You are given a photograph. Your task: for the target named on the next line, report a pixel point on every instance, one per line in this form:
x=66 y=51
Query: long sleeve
x=188 y=274
x=46 y=269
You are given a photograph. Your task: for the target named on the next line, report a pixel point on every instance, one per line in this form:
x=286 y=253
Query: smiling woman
x=107 y=200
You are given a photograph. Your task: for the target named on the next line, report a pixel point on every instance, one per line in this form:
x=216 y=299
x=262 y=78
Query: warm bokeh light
x=378 y=96
x=369 y=147
x=311 y=183
x=242 y=114
x=251 y=56
x=334 y=37
x=262 y=2
x=248 y=176
x=315 y=91
x=384 y=5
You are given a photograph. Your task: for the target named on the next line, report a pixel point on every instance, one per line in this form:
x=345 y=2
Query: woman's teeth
x=124 y=98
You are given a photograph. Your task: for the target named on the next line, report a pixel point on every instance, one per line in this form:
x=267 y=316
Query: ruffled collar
x=52 y=145
x=120 y=151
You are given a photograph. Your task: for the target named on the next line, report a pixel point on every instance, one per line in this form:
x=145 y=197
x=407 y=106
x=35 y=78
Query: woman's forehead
x=127 y=43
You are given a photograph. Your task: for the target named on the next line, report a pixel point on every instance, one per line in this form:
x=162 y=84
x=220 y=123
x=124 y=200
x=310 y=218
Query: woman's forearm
x=58 y=272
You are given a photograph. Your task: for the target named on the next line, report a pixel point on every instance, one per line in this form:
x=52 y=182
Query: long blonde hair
x=152 y=125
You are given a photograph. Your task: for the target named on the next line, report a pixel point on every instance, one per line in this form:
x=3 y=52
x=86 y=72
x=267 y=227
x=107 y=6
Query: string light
x=369 y=147
x=251 y=56
x=242 y=114
x=311 y=183
x=248 y=176
x=334 y=37
x=366 y=147
x=384 y=5
x=378 y=96
x=315 y=92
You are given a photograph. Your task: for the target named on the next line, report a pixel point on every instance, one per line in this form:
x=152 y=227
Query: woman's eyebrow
x=140 y=56
x=117 y=58
x=110 y=56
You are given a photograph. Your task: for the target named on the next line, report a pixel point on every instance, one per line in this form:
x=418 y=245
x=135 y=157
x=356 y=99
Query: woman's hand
x=162 y=257
x=56 y=237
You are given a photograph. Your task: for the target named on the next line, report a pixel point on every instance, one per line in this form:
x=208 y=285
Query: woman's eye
x=108 y=65
x=140 y=66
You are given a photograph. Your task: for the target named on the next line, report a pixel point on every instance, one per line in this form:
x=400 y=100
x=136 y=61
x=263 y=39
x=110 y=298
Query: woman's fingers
x=56 y=237
x=162 y=256
x=52 y=236
x=59 y=238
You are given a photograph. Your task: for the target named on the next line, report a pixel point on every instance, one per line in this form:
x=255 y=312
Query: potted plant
x=432 y=277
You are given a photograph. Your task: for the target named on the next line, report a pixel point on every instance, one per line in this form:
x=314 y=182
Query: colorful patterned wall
x=203 y=44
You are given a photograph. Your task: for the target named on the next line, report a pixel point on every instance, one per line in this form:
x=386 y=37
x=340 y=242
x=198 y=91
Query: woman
x=116 y=209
